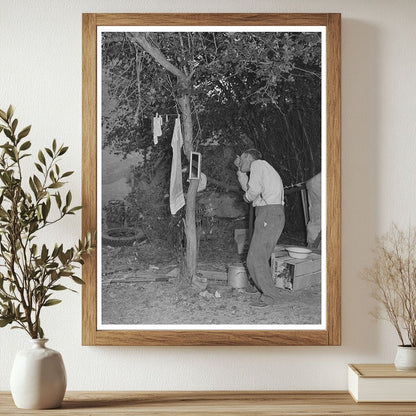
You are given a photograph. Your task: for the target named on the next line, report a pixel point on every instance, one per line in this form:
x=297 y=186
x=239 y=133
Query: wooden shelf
x=212 y=403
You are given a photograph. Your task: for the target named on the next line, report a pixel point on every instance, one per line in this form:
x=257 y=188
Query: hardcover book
x=381 y=383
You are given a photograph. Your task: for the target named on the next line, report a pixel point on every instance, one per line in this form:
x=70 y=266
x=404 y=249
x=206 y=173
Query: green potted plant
x=31 y=273
x=393 y=277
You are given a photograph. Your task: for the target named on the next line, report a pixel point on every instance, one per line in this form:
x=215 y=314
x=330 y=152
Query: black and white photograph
x=211 y=155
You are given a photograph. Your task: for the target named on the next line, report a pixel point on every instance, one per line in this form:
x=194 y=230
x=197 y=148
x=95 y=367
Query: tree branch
x=139 y=39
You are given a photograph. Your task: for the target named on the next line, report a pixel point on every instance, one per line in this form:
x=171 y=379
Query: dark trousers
x=268 y=225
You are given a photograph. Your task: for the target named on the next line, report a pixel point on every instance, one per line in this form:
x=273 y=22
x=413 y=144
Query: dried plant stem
x=393 y=276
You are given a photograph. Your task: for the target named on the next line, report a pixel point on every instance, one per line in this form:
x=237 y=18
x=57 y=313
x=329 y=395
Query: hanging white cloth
x=177 y=200
x=157 y=128
x=202 y=183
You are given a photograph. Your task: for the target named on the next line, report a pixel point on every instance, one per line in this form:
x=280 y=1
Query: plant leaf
x=58 y=199
x=24 y=133
x=5 y=321
x=41 y=157
x=51 y=302
x=76 y=279
x=40 y=332
x=14 y=125
x=10 y=112
x=63 y=150
x=25 y=145
x=59 y=287
x=37 y=182
x=39 y=167
x=67 y=174
x=68 y=199
x=56 y=185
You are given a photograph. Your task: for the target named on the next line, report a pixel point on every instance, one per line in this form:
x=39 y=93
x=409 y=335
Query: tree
x=228 y=86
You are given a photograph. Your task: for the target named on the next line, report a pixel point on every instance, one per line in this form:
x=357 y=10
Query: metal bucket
x=237 y=276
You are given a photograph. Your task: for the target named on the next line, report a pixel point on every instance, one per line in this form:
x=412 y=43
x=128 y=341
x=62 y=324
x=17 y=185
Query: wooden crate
x=293 y=274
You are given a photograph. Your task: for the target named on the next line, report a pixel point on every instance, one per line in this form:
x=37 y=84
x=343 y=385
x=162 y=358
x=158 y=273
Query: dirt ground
x=141 y=285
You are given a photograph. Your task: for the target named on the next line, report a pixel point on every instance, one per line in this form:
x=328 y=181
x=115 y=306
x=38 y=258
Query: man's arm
x=243 y=179
x=254 y=185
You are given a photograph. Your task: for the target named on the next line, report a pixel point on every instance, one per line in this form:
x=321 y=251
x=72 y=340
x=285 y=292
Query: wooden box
x=293 y=274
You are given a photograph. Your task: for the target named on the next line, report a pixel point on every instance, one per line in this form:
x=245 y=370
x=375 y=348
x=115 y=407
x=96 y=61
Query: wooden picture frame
x=331 y=334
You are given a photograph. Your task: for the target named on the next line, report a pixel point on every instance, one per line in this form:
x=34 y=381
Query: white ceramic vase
x=405 y=358
x=38 y=377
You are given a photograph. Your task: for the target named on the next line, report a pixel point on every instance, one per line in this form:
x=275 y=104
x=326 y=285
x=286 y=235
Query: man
x=264 y=188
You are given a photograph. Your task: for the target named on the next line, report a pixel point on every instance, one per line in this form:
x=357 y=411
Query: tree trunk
x=190 y=223
x=190 y=229
x=184 y=83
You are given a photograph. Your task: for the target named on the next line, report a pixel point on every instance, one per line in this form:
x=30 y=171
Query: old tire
x=121 y=236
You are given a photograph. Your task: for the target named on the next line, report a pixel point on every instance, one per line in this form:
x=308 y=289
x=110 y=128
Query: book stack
x=381 y=383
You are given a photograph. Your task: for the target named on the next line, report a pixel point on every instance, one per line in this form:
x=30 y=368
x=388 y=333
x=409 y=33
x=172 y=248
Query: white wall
x=40 y=73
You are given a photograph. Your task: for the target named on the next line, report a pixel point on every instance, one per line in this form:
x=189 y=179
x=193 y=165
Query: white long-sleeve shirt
x=265 y=187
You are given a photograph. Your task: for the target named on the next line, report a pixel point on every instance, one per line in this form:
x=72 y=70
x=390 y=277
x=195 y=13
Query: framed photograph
x=211 y=172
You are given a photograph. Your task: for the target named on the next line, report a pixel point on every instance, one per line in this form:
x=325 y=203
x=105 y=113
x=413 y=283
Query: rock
x=205 y=294
x=223 y=205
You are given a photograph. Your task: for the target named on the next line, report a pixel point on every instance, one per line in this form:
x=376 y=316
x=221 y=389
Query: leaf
x=24 y=133
x=10 y=112
x=8 y=133
x=14 y=125
x=67 y=174
x=3 y=115
x=37 y=183
x=77 y=208
x=5 y=321
x=58 y=199
x=51 y=302
x=76 y=279
x=39 y=167
x=68 y=199
x=33 y=187
x=63 y=150
x=54 y=145
x=40 y=331
x=59 y=287
x=25 y=145
x=44 y=253
x=56 y=185
x=49 y=152
x=41 y=157
x=45 y=211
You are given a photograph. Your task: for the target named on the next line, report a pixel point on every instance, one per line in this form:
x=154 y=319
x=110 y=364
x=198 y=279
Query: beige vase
x=405 y=358
x=38 y=377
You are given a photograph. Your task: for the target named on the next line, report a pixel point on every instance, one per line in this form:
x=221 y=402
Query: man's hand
x=237 y=162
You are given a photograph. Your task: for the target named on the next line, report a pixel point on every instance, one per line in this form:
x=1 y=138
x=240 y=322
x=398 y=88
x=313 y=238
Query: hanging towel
x=177 y=200
x=157 y=128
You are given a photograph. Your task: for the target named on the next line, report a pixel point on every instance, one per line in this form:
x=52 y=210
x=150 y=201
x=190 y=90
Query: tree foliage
x=260 y=89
